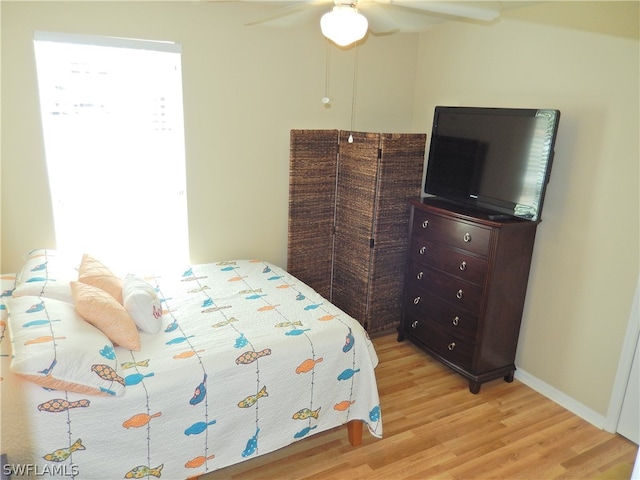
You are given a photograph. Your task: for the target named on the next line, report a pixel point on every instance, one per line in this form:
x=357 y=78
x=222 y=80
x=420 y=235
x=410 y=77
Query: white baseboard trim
x=561 y=399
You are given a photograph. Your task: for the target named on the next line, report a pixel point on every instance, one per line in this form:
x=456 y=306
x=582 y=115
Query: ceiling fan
x=346 y=21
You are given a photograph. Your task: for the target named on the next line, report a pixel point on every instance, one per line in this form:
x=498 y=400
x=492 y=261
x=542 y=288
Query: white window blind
x=113 y=128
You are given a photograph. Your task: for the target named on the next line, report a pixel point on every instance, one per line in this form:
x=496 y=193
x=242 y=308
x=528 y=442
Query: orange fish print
x=307 y=365
x=187 y=354
x=60 y=405
x=235 y=279
x=286 y=285
x=196 y=462
x=139 y=420
x=267 y=308
x=251 y=356
x=46 y=338
x=327 y=317
x=107 y=373
x=342 y=406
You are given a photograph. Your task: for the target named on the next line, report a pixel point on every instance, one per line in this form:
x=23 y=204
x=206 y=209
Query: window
x=114 y=139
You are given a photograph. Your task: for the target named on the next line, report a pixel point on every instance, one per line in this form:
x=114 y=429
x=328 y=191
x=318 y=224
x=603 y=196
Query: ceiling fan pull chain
x=327 y=99
x=353 y=91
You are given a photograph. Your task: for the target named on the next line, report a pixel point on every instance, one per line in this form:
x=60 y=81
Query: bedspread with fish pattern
x=249 y=360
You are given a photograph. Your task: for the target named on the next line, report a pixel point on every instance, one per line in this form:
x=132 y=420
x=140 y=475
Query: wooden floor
x=434 y=428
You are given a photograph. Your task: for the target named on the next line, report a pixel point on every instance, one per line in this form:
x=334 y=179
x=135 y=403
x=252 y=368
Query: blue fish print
x=300 y=296
x=171 y=327
x=297 y=331
x=178 y=340
x=266 y=269
x=38 y=307
x=38 y=322
x=252 y=445
x=107 y=391
x=7 y=293
x=108 y=352
x=39 y=268
x=227 y=269
x=255 y=297
x=199 y=393
x=304 y=431
x=207 y=303
x=47 y=371
x=313 y=306
x=374 y=414
x=135 y=378
x=241 y=341
x=275 y=277
x=39 y=279
x=348 y=343
x=347 y=374
x=198 y=427
x=188 y=273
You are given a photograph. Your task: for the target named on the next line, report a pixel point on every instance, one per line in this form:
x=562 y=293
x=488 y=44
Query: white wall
x=586 y=258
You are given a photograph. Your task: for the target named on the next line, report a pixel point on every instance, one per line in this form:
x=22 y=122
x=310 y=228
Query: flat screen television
x=495 y=159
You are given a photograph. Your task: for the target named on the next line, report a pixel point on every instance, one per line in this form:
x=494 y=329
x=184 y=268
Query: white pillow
x=46 y=273
x=54 y=347
x=140 y=300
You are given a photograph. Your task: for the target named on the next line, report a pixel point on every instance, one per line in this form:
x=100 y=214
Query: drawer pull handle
x=467 y=237
x=425 y=224
x=416 y=300
x=456 y=320
x=459 y=294
x=420 y=275
x=463 y=266
x=422 y=250
x=451 y=346
x=414 y=324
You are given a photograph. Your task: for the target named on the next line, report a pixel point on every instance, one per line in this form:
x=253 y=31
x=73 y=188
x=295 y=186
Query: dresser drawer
x=451 y=289
x=431 y=309
x=451 y=232
x=451 y=347
x=454 y=262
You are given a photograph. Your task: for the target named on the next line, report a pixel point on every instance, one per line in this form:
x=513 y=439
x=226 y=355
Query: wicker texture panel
x=357 y=179
x=313 y=159
x=399 y=181
x=368 y=204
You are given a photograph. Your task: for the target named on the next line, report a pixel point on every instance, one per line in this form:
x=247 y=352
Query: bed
x=242 y=359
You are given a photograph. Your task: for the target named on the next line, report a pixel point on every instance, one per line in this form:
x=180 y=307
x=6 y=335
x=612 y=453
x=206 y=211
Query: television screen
x=496 y=159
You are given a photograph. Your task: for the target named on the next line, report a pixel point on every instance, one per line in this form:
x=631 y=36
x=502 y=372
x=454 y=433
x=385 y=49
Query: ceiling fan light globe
x=344 y=25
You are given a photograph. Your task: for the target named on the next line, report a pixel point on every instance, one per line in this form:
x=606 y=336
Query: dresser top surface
x=463 y=212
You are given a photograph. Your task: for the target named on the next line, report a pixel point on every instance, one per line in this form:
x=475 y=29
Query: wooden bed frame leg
x=354 y=428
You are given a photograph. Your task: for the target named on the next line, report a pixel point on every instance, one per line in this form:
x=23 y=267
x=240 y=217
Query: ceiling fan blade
x=292 y=15
x=385 y=19
x=485 y=11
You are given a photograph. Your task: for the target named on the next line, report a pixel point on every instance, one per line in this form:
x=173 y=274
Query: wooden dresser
x=465 y=288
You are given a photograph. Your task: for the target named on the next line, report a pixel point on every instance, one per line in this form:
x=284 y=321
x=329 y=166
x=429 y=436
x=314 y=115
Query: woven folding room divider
x=349 y=218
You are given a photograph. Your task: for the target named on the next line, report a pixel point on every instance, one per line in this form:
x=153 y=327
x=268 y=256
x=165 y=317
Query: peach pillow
x=93 y=272
x=103 y=311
